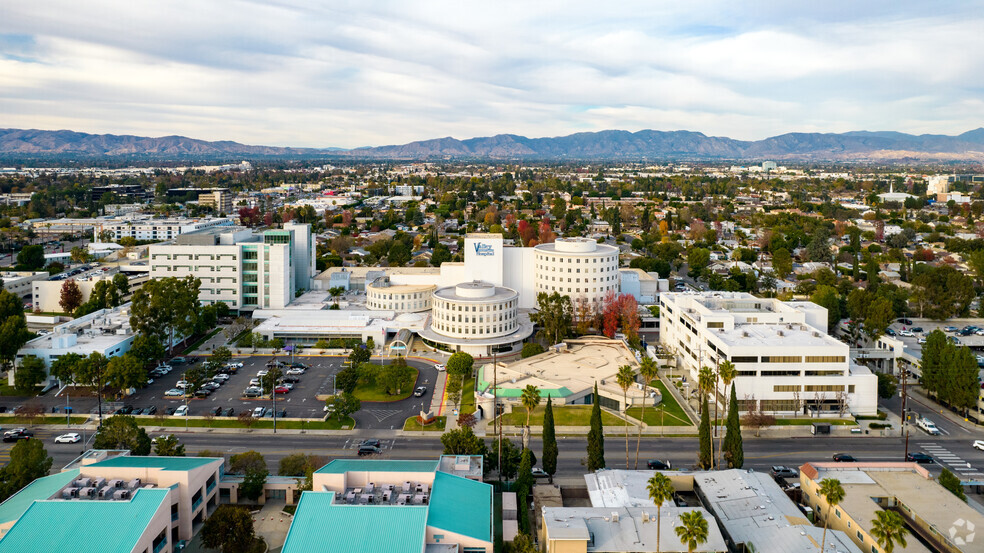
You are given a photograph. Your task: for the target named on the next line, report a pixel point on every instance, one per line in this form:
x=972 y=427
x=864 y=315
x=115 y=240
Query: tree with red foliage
x=268 y=218
x=249 y=216
x=547 y=235
x=923 y=254
x=526 y=232
x=347 y=217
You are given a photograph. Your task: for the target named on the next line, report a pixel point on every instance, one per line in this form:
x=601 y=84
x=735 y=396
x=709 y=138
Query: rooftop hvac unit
x=116 y=483
x=121 y=494
x=83 y=482
x=614 y=516
x=105 y=492
x=98 y=482
x=69 y=493
x=87 y=492
x=779 y=332
x=133 y=484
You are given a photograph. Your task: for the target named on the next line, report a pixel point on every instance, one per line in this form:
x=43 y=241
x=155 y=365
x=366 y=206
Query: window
x=782 y=359
x=786 y=388
x=715 y=325
x=825 y=358
x=744 y=359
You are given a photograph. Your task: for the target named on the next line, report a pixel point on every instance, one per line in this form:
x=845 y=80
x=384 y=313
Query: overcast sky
x=372 y=73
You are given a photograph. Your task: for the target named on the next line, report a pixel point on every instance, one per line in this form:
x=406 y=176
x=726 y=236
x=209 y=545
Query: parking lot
x=301 y=402
x=913 y=338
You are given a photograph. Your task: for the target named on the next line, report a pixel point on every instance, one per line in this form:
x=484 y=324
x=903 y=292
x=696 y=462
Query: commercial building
x=786 y=362
x=246 y=271
x=477 y=317
x=219 y=199
x=46 y=294
x=394 y=506
x=19 y=283
x=111 y=501
x=932 y=514
x=160 y=230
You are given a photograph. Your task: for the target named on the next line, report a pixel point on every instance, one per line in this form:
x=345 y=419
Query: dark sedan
x=917 y=457
x=844 y=458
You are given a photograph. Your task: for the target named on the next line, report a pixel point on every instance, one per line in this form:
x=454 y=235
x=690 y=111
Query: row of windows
x=414 y=296
x=790 y=359
x=575 y=269
x=485 y=307
x=587 y=260
x=575 y=290
x=476 y=330
x=400 y=306
x=586 y=280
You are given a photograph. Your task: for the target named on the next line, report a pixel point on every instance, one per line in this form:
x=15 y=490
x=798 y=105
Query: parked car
x=656 y=464
x=17 y=434
x=979 y=444
x=182 y=384
x=295 y=371
x=916 y=457
x=844 y=458
x=780 y=471
x=216 y=412
x=203 y=392
x=165 y=367
x=290 y=379
x=255 y=382
x=70 y=438
x=440 y=367
x=538 y=473
x=420 y=391
x=174 y=392
x=950 y=329
x=253 y=392
x=906 y=322
x=137 y=411
x=150 y=410
x=890 y=332
x=170 y=411
x=369 y=450
x=234 y=364
x=916 y=329
x=906 y=333
x=259 y=411
x=181 y=411
x=228 y=412
x=281 y=390
x=220 y=377
x=179 y=360
x=262 y=372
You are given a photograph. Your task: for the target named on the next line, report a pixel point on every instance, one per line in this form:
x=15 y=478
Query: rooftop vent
x=614 y=516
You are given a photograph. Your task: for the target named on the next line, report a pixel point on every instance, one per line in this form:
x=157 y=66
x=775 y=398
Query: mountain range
x=610 y=144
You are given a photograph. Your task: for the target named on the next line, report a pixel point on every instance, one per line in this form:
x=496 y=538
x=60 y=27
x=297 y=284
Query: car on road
x=174 y=392
x=440 y=367
x=17 y=434
x=844 y=458
x=657 y=464
x=70 y=438
x=780 y=471
x=979 y=444
x=259 y=411
x=295 y=371
x=916 y=457
x=369 y=450
x=371 y=442
x=228 y=412
x=179 y=360
x=420 y=391
x=928 y=426
x=538 y=473
x=181 y=411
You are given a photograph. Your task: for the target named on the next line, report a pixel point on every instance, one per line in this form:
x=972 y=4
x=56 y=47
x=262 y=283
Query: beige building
x=930 y=511
x=46 y=294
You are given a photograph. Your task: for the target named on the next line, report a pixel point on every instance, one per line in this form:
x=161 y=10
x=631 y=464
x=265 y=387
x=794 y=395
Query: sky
x=369 y=73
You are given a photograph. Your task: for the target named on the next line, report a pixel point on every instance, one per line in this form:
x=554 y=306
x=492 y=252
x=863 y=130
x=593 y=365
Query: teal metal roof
x=42 y=488
x=461 y=506
x=163 y=463
x=85 y=526
x=319 y=526
x=340 y=466
x=485 y=385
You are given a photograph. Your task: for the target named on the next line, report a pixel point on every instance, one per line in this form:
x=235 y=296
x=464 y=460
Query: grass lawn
x=468 y=396
x=436 y=426
x=47 y=419
x=7 y=390
x=231 y=422
x=375 y=392
x=672 y=413
x=564 y=415
x=807 y=422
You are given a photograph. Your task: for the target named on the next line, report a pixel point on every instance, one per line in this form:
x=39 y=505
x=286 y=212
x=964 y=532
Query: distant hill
x=611 y=144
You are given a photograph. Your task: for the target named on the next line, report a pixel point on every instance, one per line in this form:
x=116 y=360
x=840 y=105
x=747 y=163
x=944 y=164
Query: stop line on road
x=943 y=455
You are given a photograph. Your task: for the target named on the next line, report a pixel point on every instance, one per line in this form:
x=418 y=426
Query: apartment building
x=787 y=363
x=19 y=283
x=155 y=229
x=246 y=271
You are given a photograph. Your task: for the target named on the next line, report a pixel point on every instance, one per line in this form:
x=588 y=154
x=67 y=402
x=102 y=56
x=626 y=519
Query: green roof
x=461 y=506
x=163 y=463
x=341 y=466
x=505 y=390
x=42 y=488
x=320 y=526
x=84 y=526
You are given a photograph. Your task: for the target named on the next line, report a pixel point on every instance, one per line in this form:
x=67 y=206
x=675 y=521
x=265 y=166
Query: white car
x=906 y=333
x=165 y=368
x=440 y=367
x=234 y=365
x=979 y=444
x=182 y=384
x=295 y=371
x=174 y=392
x=220 y=377
x=254 y=382
x=259 y=411
x=71 y=438
x=181 y=411
x=262 y=372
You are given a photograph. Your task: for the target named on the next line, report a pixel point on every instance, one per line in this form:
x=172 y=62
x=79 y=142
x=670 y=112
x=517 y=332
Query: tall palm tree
x=660 y=490
x=706 y=382
x=833 y=493
x=889 y=528
x=530 y=399
x=334 y=292
x=649 y=371
x=625 y=378
x=692 y=530
x=726 y=372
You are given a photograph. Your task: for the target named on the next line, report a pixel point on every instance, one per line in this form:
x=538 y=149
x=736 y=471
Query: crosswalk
x=943 y=456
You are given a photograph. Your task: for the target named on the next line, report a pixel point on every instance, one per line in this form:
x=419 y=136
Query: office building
x=787 y=363
x=158 y=230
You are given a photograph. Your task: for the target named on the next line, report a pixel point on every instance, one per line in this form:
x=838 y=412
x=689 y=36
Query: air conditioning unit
x=614 y=516
x=105 y=492
x=87 y=493
x=133 y=484
x=121 y=494
x=98 y=482
x=83 y=482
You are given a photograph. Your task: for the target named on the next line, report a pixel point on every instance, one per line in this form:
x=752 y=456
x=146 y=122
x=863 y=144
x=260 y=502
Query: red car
x=281 y=389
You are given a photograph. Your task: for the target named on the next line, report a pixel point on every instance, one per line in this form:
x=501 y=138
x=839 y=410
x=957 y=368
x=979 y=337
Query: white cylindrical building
x=577 y=267
x=382 y=295
x=478 y=318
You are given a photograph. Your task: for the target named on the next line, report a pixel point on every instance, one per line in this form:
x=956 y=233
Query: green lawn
x=7 y=390
x=564 y=415
x=468 y=396
x=668 y=413
x=375 y=392
x=436 y=426
x=46 y=419
x=231 y=422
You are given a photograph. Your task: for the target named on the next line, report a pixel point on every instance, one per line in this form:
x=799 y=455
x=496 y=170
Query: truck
x=928 y=426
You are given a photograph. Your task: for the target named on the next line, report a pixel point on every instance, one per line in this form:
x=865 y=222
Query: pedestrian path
x=958 y=465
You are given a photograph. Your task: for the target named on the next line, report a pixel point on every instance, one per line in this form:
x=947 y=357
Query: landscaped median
x=667 y=413
x=227 y=422
x=564 y=415
x=43 y=419
x=437 y=426
x=376 y=392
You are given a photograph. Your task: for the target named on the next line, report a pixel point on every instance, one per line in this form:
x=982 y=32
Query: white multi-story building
x=245 y=271
x=786 y=361
x=576 y=267
x=155 y=229
x=478 y=318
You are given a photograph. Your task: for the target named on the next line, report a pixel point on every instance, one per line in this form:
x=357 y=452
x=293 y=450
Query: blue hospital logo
x=484 y=250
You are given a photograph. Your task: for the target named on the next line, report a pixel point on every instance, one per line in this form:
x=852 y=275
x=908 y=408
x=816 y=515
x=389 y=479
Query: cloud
x=370 y=73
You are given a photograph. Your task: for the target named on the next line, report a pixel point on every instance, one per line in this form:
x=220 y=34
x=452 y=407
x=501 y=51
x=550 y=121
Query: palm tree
x=726 y=372
x=649 y=371
x=833 y=493
x=660 y=490
x=530 y=399
x=625 y=378
x=706 y=382
x=334 y=292
x=692 y=530
x=889 y=528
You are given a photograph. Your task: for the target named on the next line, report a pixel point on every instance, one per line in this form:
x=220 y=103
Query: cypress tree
x=596 y=436
x=964 y=387
x=549 y=455
x=932 y=358
x=704 y=457
x=733 y=450
x=524 y=484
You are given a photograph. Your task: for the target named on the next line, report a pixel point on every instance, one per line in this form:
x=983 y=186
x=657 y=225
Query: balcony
x=160 y=546
x=210 y=487
x=195 y=504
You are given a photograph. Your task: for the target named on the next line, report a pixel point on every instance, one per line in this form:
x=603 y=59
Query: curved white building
x=478 y=318
x=383 y=295
x=576 y=267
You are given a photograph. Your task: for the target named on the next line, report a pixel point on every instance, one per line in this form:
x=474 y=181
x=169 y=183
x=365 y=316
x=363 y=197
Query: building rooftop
x=323 y=526
x=627 y=529
x=449 y=494
x=40 y=489
x=791 y=335
x=477 y=291
x=96 y=526
x=340 y=466
x=163 y=463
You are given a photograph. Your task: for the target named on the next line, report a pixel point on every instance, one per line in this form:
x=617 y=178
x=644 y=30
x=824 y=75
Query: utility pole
x=497 y=426
x=904 y=373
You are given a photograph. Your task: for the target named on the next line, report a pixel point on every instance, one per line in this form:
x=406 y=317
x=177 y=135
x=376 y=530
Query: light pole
x=184 y=376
